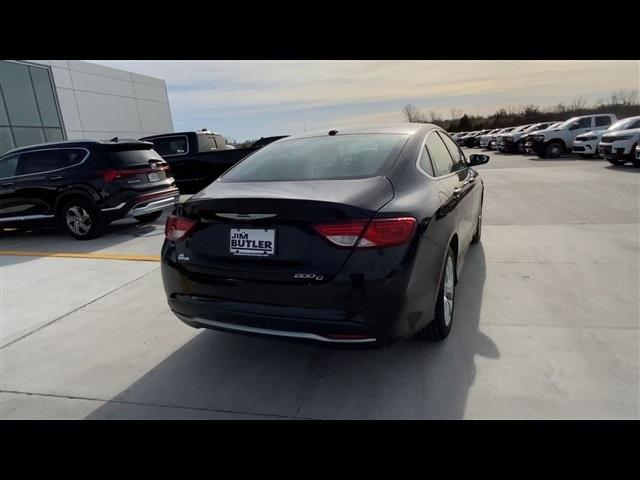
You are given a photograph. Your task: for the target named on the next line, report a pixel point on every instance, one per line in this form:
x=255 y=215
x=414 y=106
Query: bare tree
x=412 y=114
x=624 y=97
x=455 y=113
x=578 y=103
x=434 y=117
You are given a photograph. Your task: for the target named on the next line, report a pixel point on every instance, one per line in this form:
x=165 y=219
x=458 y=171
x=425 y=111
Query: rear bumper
x=293 y=323
x=143 y=204
x=370 y=301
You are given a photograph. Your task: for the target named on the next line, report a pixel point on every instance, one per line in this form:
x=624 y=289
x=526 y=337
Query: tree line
x=622 y=103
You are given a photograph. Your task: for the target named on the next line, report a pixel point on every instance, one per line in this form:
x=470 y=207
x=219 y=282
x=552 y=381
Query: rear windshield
x=132 y=158
x=320 y=158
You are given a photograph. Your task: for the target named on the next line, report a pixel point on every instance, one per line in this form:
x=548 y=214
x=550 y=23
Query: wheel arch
x=70 y=194
x=556 y=140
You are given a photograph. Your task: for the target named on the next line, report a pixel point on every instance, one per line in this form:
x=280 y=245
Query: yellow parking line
x=99 y=256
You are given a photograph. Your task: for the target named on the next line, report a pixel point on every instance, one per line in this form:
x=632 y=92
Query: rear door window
x=320 y=158
x=40 y=161
x=425 y=162
x=603 y=121
x=584 y=122
x=458 y=157
x=440 y=157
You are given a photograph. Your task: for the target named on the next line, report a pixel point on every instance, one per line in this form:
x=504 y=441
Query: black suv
x=84 y=185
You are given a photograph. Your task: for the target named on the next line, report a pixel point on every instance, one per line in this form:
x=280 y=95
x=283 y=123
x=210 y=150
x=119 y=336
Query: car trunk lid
x=265 y=230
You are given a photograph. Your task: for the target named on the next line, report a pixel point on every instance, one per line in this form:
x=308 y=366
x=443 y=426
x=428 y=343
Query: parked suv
x=486 y=138
x=503 y=138
x=84 y=185
x=553 y=142
x=513 y=141
x=478 y=137
x=586 y=145
x=619 y=147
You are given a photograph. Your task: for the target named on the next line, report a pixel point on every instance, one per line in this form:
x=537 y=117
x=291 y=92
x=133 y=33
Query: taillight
x=109 y=175
x=177 y=228
x=383 y=232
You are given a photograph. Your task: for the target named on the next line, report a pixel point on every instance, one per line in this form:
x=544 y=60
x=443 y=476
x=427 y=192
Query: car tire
x=634 y=160
x=149 y=217
x=553 y=150
x=438 y=329
x=81 y=219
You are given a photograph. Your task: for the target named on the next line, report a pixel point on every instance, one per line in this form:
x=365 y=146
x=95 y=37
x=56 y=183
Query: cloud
x=352 y=88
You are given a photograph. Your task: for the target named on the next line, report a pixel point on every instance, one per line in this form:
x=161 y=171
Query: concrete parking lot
x=546 y=323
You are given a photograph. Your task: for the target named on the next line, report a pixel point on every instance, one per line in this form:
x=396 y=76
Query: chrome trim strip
x=246 y=216
x=277 y=333
x=153 y=206
x=113 y=208
x=25 y=217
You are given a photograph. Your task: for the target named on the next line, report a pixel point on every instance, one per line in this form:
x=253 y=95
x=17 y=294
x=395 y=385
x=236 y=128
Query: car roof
x=192 y=132
x=401 y=128
x=80 y=143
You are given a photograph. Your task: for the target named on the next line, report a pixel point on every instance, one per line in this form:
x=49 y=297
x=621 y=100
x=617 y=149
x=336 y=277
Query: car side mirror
x=476 y=159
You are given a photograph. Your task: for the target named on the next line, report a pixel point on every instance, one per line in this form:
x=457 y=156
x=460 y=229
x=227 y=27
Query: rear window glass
x=8 y=166
x=320 y=158
x=132 y=158
x=177 y=145
x=208 y=142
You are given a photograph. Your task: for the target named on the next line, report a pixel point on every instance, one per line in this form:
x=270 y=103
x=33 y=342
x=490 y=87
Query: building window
x=29 y=112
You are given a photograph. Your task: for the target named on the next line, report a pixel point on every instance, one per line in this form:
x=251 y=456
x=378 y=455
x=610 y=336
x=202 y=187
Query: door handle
x=457 y=191
x=7 y=185
x=59 y=177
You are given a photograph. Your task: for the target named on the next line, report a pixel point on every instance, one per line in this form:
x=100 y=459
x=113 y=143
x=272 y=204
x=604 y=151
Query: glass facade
x=29 y=112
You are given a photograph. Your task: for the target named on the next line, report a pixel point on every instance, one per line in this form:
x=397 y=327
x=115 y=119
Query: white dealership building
x=51 y=100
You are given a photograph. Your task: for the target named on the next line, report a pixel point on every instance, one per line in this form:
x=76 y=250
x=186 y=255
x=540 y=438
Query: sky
x=249 y=99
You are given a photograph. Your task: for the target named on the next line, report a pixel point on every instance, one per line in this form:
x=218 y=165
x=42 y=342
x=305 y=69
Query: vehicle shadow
x=218 y=375
x=56 y=240
x=626 y=168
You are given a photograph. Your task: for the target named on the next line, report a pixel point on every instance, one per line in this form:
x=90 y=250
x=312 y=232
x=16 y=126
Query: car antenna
x=114 y=139
x=333 y=132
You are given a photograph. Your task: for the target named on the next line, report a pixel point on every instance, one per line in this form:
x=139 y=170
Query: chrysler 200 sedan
x=353 y=236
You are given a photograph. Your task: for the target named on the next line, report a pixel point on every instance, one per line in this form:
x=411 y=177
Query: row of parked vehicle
x=601 y=135
x=85 y=185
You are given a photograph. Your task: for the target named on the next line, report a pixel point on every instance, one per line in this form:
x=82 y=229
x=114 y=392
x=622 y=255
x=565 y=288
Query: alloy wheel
x=448 y=292
x=78 y=220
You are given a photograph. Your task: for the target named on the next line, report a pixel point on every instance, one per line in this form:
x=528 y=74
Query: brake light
x=109 y=175
x=383 y=232
x=177 y=228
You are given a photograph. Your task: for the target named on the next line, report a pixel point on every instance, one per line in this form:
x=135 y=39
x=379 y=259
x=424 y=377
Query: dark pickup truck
x=197 y=158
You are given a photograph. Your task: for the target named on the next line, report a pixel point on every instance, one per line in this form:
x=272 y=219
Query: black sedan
x=355 y=236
